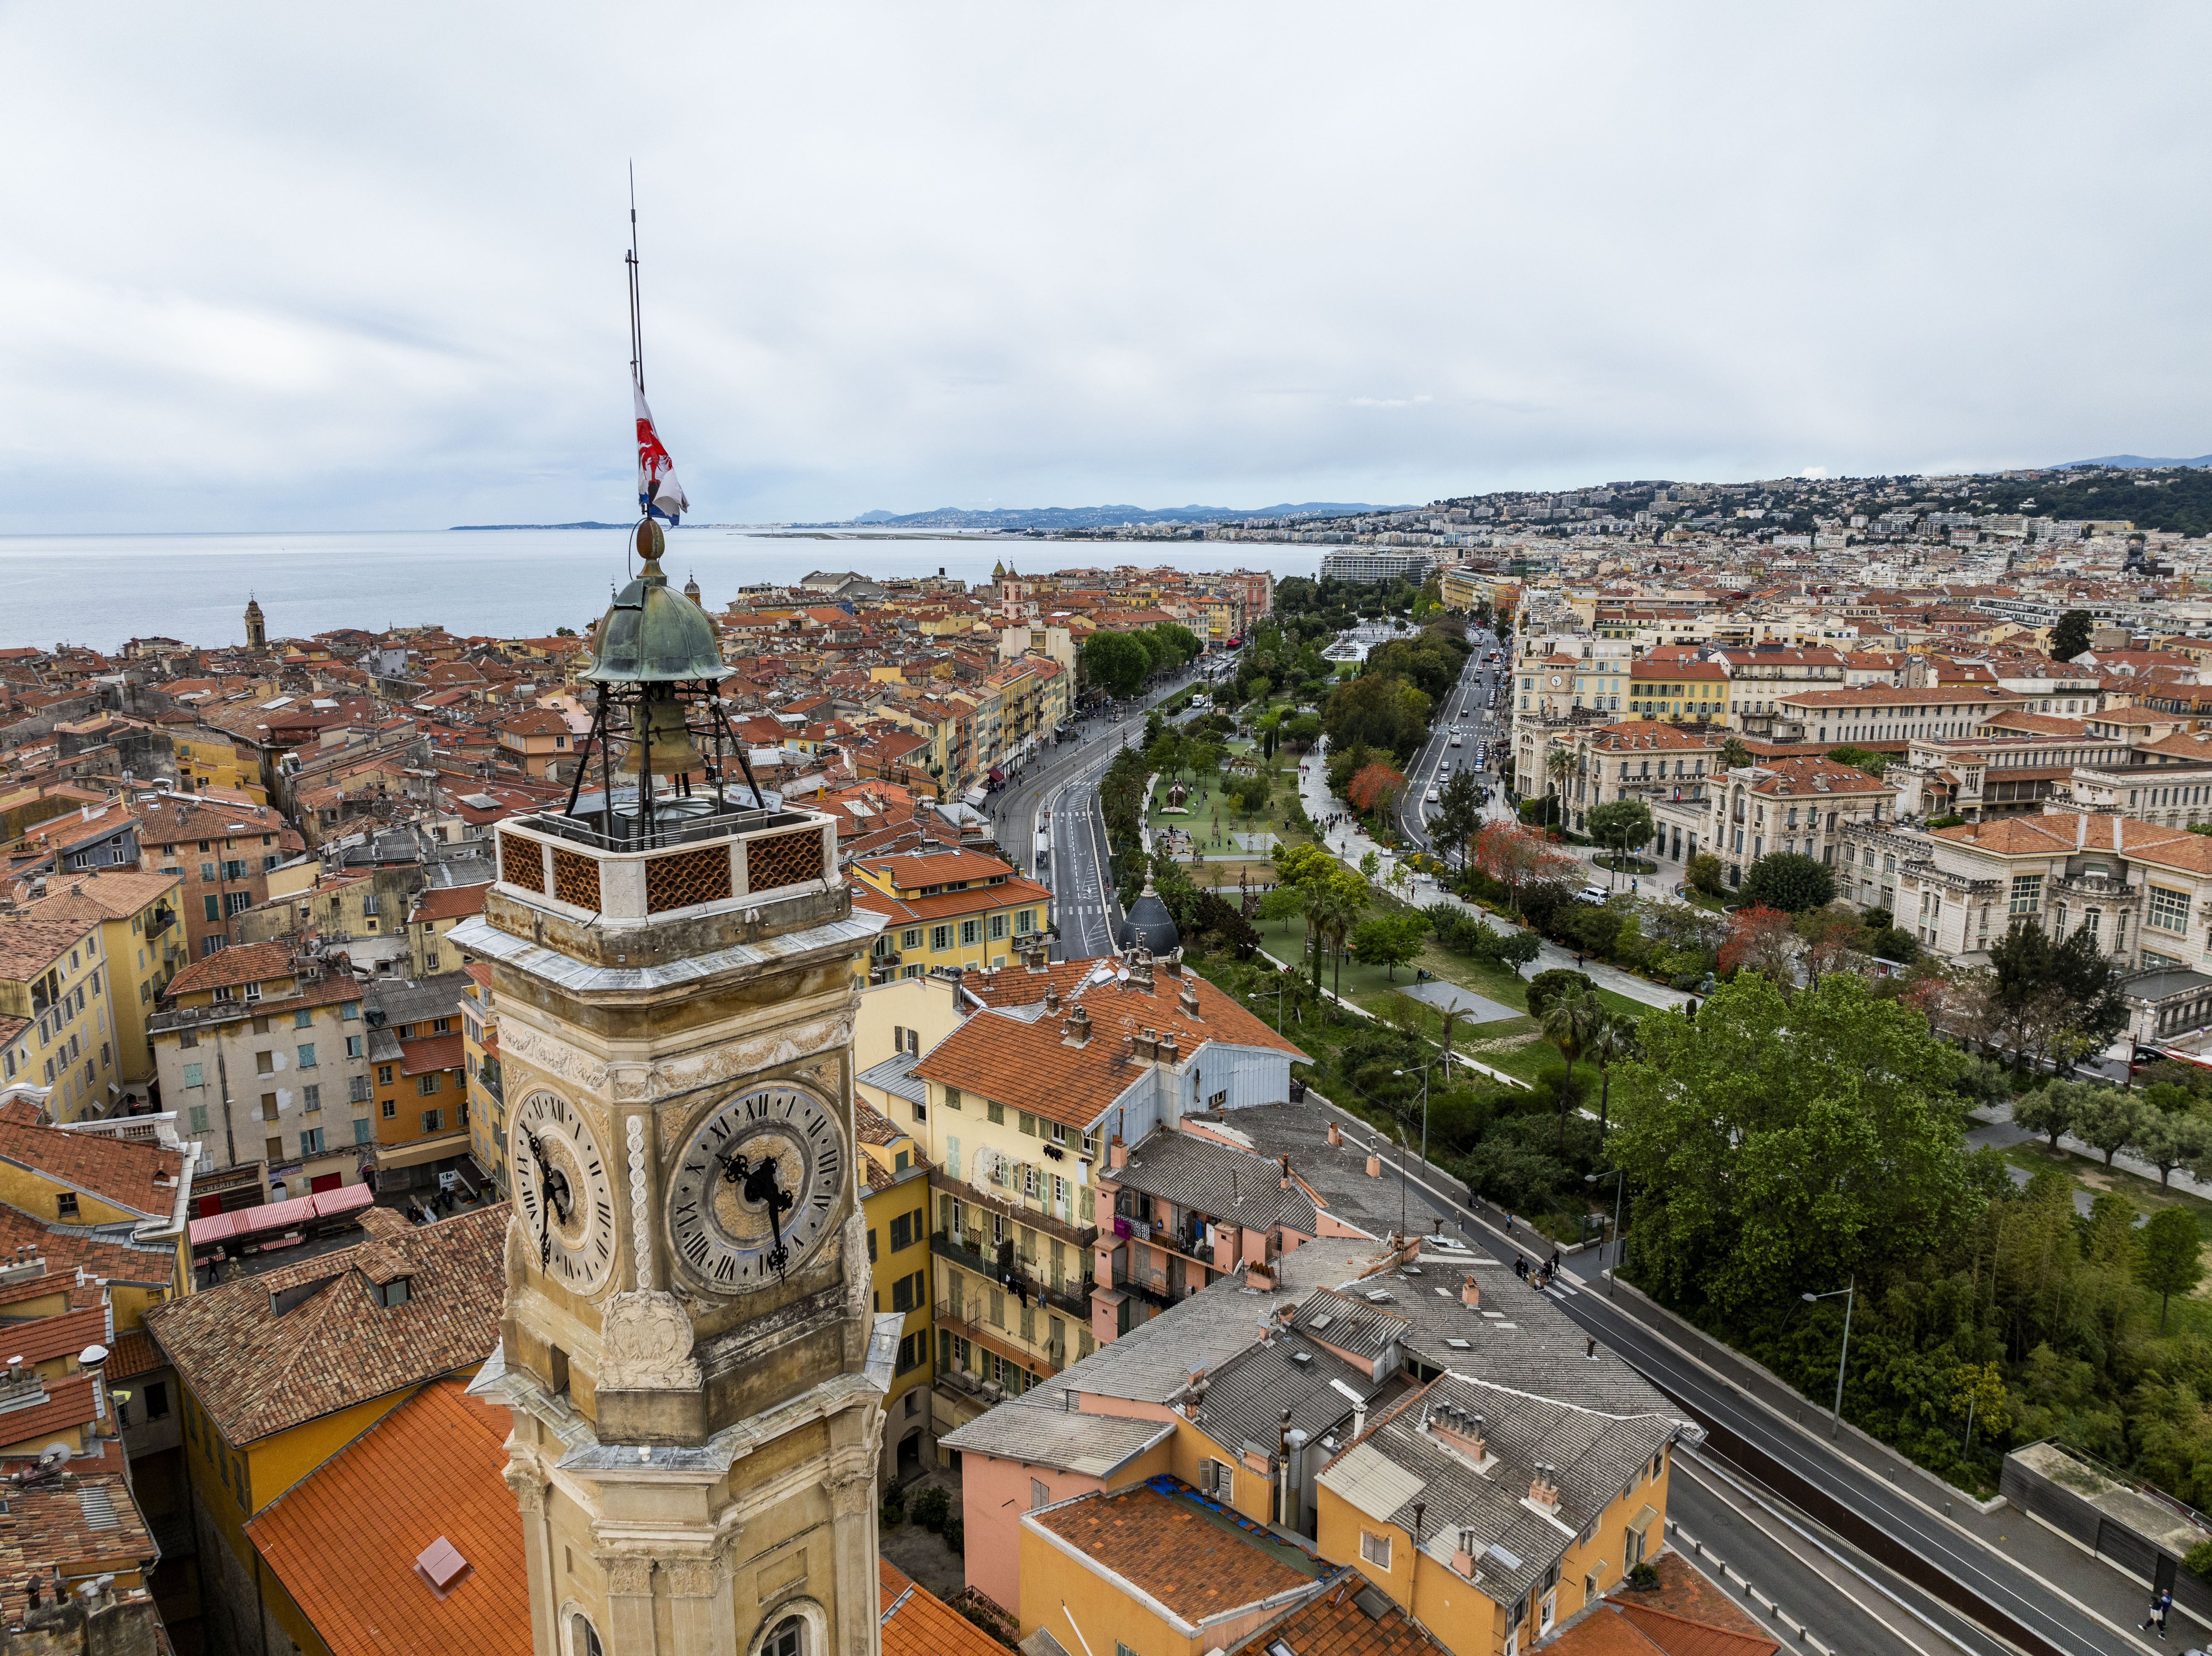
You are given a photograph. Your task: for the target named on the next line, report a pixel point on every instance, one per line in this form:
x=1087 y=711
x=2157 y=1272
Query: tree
x=1789 y=880
x=1735 y=756
x=1333 y=906
x=1704 y=873
x=1518 y=948
x=1301 y=731
x=1459 y=814
x=1859 y=759
x=2069 y=637
x=1834 y=941
x=2172 y=1258
x=1376 y=788
x=1547 y=986
x=1280 y=904
x=1569 y=1022
x=1517 y=858
x=1560 y=764
x=1374 y=709
x=2040 y=990
x=2108 y=1121
x=1622 y=824
x=1611 y=1040
x=1392 y=939
x=2049 y=1112
x=1759 y=940
x=1775 y=1144
x=2171 y=1138
x=1117 y=662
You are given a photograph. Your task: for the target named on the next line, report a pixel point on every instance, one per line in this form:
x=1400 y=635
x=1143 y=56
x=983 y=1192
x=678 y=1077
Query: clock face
x=561 y=1185
x=757 y=1187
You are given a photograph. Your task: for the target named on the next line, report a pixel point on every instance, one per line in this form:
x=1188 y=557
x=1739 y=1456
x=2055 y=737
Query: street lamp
x=1443 y=1058
x=1619 y=1176
x=1850 y=1293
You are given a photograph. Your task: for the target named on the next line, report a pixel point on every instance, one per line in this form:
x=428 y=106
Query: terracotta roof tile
x=258 y=1373
x=916 y=1623
x=68 y=1403
x=1334 y=1624
x=134 y=1353
x=252 y=962
x=1679 y=1635
x=344 y=1539
x=87 y=1524
x=1171 y=1549
x=118 y=1170
x=1028 y=1064
x=438 y=1053
x=450 y=902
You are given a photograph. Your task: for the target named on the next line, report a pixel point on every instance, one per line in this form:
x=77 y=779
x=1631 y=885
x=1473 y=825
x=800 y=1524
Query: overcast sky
x=295 y=267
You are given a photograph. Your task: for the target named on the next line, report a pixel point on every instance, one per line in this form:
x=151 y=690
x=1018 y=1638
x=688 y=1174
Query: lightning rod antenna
x=636 y=326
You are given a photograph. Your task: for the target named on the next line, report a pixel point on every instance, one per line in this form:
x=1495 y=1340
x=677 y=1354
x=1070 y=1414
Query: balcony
x=1014 y=1208
x=1073 y=1297
x=1043 y=1357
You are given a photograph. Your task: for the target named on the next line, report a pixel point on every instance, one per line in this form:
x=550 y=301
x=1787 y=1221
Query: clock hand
x=758 y=1184
x=553 y=1192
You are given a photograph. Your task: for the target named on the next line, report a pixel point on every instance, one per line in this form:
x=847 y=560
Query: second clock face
x=757 y=1187
x=561 y=1182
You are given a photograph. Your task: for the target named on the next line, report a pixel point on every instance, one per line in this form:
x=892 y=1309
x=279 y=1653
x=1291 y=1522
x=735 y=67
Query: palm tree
x=1559 y=765
x=1735 y=756
x=1569 y=1023
x=1614 y=1040
x=1344 y=910
x=1318 y=902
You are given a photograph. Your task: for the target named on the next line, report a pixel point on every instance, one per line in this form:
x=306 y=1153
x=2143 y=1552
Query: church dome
x=651 y=631
x=1150 y=923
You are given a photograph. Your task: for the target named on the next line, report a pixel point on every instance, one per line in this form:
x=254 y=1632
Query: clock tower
x=687 y=1344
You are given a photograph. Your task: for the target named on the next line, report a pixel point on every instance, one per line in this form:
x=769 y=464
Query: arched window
x=788 y=1639
x=583 y=1637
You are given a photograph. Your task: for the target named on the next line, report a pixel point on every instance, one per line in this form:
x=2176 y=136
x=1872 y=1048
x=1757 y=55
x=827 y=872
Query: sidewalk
x=2100 y=1586
x=1349 y=842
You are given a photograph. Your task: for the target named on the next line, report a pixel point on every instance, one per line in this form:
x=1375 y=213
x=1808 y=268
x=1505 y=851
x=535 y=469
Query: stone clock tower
x=687 y=1344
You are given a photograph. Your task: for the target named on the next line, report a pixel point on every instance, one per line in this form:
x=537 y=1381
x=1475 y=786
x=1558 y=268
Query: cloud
x=287 y=267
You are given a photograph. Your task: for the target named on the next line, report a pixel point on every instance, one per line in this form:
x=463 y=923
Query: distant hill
x=1105 y=516
x=458 y=528
x=2134 y=462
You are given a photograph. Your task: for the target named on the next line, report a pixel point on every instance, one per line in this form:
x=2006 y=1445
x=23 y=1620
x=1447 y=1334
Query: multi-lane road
x=1467 y=705
x=1929 y=1569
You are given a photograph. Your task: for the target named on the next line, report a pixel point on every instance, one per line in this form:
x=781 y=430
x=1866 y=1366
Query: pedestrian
x=1552 y=1266
x=2160 y=1603
x=1589 y=1348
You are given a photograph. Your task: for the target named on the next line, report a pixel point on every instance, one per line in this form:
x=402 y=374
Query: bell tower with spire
x=257 y=630
x=688 y=1347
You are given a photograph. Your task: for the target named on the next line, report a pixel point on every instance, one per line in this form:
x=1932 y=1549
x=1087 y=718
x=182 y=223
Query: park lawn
x=2090 y=1174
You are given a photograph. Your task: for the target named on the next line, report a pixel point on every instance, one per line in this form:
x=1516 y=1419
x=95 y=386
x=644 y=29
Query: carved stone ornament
x=645 y=1344
x=628 y=1577
x=632 y=1082
x=853 y=1245
x=555 y=1058
x=692 y=1577
x=528 y=1484
x=731 y=1060
x=517 y=1259
x=853 y=1493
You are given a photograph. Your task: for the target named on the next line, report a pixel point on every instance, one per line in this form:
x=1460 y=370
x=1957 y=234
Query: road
x=1046 y=821
x=1467 y=705
x=1821 y=1481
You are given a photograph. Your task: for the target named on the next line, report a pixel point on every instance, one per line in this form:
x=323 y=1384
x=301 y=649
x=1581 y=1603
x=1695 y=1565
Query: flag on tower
x=659 y=494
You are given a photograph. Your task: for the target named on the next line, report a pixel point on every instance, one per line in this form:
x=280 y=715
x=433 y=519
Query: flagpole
x=636 y=325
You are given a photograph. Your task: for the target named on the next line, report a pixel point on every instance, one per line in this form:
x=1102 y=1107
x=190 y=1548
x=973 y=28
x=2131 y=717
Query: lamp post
x=1850 y=1293
x=1619 y=1177
x=1424 y=1069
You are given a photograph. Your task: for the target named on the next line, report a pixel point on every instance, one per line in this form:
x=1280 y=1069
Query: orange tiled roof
x=1678 y=1635
x=947 y=905
x=450 y=902
x=916 y=1623
x=1028 y=1064
x=252 y=962
x=909 y=872
x=52 y=1525
x=133 y=1354
x=118 y=1170
x=258 y=1373
x=1170 y=1550
x=438 y=1053
x=68 y=1403
x=1334 y=1625
x=344 y=1539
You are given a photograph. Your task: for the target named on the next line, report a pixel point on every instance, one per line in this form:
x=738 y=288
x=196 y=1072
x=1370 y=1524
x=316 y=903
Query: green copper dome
x=652 y=633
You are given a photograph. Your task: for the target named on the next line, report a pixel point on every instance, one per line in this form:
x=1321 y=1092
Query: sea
x=100 y=589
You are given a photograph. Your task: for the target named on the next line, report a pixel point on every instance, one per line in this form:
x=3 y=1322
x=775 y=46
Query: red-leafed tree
x=1517 y=857
x=1376 y=787
x=1759 y=940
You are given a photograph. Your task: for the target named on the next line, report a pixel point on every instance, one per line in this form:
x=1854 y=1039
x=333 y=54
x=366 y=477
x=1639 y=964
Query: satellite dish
x=91 y=1355
x=53 y=1455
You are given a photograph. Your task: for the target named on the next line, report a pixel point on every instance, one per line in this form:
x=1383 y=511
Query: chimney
x=1117 y=1153
x=1542 y=1490
x=1335 y=1134
x=1286 y=1162
x=1470 y=1294
x=1172 y=963
x=1145 y=1045
x=1051 y=1002
x=1374 y=1167
x=1464 y=1554
x=1461 y=1431
x=1188 y=998
x=1168 y=1049
x=1077 y=1031
x=1358 y=1419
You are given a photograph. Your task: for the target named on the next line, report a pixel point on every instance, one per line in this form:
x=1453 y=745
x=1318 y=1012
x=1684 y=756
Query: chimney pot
x=1374 y=1167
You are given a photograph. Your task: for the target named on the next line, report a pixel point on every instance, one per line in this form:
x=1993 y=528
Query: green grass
x=2090 y=1174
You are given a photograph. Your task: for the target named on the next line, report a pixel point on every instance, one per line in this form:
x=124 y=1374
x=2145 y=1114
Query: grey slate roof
x=1337 y=1172
x=417 y=1000
x=1353 y=1320
x=894 y=1075
x=1596 y=1457
x=1038 y=1430
x=1152 y=1362
x=1245 y=1397
x=1236 y=1186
